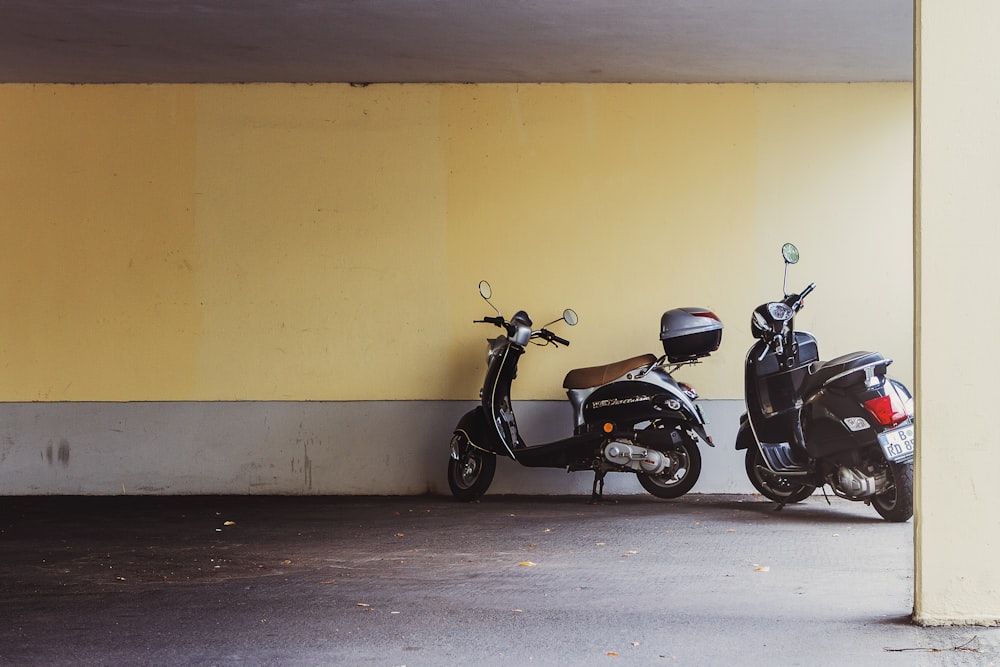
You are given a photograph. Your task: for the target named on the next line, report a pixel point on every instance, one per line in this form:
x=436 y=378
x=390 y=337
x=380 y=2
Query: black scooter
x=630 y=416
x=810 y=423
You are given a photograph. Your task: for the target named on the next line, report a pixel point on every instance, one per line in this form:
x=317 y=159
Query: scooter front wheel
x=780 y=489
x=679 y=476
x=471 y=475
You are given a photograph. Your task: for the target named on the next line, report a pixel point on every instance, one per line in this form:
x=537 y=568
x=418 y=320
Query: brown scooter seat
x=584 y=378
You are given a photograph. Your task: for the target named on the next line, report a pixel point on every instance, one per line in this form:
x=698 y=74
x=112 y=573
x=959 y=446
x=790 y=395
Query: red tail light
x=887 y=410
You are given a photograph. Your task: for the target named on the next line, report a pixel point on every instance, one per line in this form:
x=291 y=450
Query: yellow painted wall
x=324 y=242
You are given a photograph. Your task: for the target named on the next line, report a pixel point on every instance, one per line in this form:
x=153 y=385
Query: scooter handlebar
x=544 y=334
x=560 y=341
x=794 y=301
x=550 y=337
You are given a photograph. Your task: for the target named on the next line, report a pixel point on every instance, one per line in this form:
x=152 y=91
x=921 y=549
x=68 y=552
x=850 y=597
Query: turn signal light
x=608 y=427
x=688 y=391
x=887 y=410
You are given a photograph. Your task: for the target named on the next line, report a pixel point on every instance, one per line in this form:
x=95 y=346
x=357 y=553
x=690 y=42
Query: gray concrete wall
x=292 y=448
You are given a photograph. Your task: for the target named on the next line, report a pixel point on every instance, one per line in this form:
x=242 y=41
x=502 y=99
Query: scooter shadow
x=813 y=510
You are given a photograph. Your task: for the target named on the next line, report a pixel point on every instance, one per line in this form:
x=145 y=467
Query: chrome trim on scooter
x=869 y=370
x=468 y=439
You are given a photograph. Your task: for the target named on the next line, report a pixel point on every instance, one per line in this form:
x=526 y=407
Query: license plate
x=897 y=445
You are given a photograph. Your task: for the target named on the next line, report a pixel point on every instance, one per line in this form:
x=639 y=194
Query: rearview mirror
x=569 y=315
x=790 y=253
x=485 y=290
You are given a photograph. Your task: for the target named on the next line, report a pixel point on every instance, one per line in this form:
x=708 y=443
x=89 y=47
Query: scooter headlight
x=779 y=311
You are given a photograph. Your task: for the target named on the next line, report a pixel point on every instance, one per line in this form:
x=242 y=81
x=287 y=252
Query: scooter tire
x=780 y=489
x=896 y=504
x=669 y=488
x=471 y=475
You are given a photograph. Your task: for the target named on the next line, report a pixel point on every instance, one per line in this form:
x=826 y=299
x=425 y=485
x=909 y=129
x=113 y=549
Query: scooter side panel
x=823 y=423
x=630 y=402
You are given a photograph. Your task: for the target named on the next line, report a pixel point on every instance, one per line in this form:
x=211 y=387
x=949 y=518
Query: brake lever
x=550 y=338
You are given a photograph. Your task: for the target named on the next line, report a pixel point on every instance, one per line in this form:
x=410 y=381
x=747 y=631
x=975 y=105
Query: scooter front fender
x=473 y=430
x=744 y=437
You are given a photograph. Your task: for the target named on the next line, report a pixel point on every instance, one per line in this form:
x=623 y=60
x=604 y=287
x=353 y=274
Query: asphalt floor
x=509 y=580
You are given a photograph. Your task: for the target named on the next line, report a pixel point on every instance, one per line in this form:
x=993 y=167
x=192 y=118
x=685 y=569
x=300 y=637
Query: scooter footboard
x=567 y=453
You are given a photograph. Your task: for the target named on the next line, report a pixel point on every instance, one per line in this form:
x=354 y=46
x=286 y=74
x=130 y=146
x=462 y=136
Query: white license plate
x=897 y=445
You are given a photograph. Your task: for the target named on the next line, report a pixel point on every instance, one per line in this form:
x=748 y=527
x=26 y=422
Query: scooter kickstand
x=597 y=496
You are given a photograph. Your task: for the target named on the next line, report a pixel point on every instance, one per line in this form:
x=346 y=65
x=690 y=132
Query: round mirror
x=790 y=253
x=570 y=316
x=485 y=290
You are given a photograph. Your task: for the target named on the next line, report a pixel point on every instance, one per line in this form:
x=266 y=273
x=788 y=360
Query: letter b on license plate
x=897 y=445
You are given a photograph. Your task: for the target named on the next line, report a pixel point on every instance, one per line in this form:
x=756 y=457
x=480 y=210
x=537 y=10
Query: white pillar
x=957 y=312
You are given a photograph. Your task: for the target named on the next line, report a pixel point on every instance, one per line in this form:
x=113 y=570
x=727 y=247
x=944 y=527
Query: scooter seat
x=821 y=372
x=584 y=378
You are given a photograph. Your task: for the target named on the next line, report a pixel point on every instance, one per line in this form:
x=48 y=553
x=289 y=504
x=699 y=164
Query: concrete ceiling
x=374 y=41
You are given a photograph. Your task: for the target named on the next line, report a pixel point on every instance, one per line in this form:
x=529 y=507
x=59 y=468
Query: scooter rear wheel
x=471 y=475
x=896 y=503
x=679 y=477
x=784 y=490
